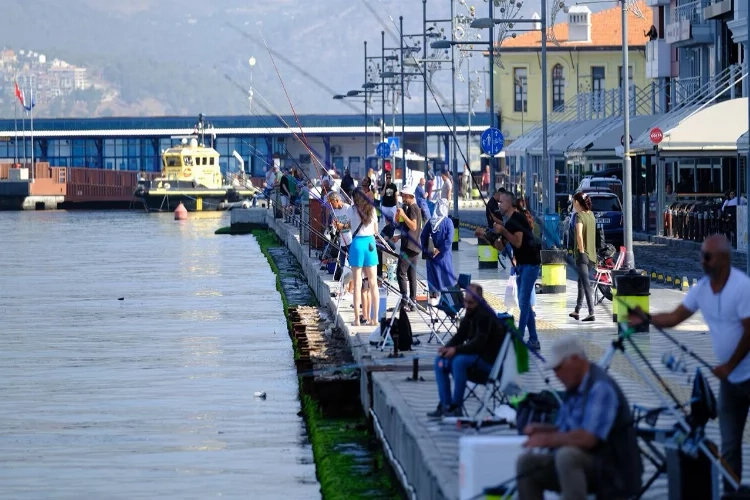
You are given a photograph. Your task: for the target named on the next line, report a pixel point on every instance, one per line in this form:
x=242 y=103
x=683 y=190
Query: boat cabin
x=192 y=162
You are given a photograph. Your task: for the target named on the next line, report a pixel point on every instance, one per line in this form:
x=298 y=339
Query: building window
x=520 y=90
x=558 y=89
x=597 y=87
x=630 y=76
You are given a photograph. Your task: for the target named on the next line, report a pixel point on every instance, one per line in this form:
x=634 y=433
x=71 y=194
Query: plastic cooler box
x=486 y=461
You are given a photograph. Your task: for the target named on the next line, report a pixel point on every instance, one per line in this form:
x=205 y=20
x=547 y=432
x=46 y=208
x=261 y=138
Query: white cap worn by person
x=563 y=348
x=408 y=190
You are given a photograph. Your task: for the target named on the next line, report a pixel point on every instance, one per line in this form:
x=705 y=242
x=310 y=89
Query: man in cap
x=593 y=443
x=409 y=217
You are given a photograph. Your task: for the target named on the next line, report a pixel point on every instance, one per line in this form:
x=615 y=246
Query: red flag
x=20 y=95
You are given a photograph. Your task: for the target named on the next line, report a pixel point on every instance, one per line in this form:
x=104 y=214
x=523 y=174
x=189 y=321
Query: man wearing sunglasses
x=723 y=297
x=475 y=346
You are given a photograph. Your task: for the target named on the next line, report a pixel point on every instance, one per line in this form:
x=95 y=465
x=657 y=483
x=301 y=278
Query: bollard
x=456 y=223
x=634 y=290
x=415 y=372
x=554 y=275
x=685 y=286
x=615 y=301
x=695 y=282
x=487 y=254
x=677 y=282
x=660 y=278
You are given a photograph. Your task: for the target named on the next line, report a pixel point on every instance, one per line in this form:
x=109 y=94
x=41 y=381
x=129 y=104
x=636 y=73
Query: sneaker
x=590 y=317
x=534 y=346
x=437 y=413
x=453 y=411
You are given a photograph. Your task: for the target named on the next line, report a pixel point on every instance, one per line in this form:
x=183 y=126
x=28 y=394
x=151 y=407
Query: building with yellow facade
x=587 y=59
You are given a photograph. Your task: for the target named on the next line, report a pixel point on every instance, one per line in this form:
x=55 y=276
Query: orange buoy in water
x=180 y=213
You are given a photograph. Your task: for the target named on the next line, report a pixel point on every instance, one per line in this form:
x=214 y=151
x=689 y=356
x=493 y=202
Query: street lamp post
x=382 y=89
x=402 y=141
x=490 y=23
x=453 y=109
x=366 y=90
x=491 y=189
x=627 y=171
x=424 y=73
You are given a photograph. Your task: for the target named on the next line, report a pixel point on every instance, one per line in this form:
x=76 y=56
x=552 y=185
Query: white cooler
x=486 y=461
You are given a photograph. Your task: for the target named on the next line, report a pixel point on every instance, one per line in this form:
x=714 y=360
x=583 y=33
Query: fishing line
x=538 y=220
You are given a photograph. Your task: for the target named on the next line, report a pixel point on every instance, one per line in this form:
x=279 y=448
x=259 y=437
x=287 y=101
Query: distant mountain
x=167 y=57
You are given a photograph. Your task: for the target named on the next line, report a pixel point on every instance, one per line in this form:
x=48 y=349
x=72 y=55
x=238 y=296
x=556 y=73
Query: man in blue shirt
x=593 y=442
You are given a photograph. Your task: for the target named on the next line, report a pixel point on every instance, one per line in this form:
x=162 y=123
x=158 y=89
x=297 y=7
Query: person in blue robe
x=437 y=239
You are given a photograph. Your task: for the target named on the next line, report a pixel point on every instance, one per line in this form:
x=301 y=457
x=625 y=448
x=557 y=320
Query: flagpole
x=32 y=126
x=15 y=135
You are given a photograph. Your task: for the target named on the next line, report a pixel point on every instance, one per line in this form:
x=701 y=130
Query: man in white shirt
x=723 y=297
x=446 y=190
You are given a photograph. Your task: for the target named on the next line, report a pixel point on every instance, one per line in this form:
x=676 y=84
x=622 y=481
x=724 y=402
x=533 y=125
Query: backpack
x=536 y=407
x=403 y=327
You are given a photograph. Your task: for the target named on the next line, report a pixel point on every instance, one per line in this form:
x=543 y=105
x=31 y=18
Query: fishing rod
x=421 y=70
x=480 y=300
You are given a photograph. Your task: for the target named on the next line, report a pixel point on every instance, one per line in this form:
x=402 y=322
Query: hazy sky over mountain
x=199 y=44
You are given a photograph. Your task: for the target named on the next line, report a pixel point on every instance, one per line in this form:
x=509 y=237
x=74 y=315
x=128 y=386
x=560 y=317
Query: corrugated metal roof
x=558 y=143
x=611 y=139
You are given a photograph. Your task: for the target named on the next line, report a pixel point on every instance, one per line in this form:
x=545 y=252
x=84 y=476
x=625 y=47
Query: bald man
x=723 y=297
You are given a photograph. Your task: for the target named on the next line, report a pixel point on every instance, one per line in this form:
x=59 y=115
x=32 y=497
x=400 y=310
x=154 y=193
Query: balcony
x=658 y=59
x=717 y=8
x=689 y=27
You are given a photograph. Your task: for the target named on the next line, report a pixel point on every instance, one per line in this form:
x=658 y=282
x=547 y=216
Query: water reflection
x=149 y=396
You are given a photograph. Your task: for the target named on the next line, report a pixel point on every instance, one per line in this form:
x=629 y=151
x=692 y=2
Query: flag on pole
x=20 y=95
x=29 y=106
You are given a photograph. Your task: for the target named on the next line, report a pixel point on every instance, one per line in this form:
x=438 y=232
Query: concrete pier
x=425 y=451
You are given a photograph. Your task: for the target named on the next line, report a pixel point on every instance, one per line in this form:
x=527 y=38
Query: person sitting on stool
x=594 y=444
x=475 y=346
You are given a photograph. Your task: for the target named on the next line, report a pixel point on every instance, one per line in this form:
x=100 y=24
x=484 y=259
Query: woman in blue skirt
x=363 y=255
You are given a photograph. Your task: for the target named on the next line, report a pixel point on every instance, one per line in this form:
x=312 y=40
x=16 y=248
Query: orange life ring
x=187 y=172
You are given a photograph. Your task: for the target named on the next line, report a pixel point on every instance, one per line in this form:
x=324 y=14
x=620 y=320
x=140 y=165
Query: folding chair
x=604 y=276
x=446 y=314
x=492 y=397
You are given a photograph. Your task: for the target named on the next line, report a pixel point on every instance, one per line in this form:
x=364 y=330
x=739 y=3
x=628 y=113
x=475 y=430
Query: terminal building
x=135 y=144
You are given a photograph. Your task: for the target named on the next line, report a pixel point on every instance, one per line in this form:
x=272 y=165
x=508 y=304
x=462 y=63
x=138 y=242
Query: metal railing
x=692 y=11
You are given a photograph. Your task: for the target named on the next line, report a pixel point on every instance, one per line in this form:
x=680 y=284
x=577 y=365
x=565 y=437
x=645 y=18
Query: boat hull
x=194 y=200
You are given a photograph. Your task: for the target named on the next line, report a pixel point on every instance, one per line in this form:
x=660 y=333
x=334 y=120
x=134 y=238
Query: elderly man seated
x=593 y=446
x=475 y=346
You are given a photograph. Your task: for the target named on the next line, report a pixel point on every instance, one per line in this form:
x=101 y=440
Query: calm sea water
x=150 y=396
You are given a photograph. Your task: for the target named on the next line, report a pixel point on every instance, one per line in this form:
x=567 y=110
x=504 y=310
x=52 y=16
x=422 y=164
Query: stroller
x=605 y=259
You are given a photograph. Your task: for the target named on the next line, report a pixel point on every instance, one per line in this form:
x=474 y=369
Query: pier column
x=199 y=204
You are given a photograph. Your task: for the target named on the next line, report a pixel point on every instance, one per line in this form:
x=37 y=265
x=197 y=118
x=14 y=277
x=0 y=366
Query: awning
x=610 y=141
x=565 y=136
x=582 y=144
x=713 y=128
x=742 y=145
x=533 y=138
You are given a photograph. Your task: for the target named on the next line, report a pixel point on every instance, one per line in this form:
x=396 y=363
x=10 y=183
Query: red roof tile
x=606 y=31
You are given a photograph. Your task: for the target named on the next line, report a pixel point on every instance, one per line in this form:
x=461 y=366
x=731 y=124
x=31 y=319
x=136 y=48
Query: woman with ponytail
x=584 y=252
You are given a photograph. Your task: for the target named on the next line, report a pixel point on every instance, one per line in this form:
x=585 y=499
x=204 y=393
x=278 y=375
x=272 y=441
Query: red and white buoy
x=180 y=213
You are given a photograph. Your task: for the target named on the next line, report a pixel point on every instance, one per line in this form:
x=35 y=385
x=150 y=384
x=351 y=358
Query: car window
x=603 y=183
x=605 y=204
